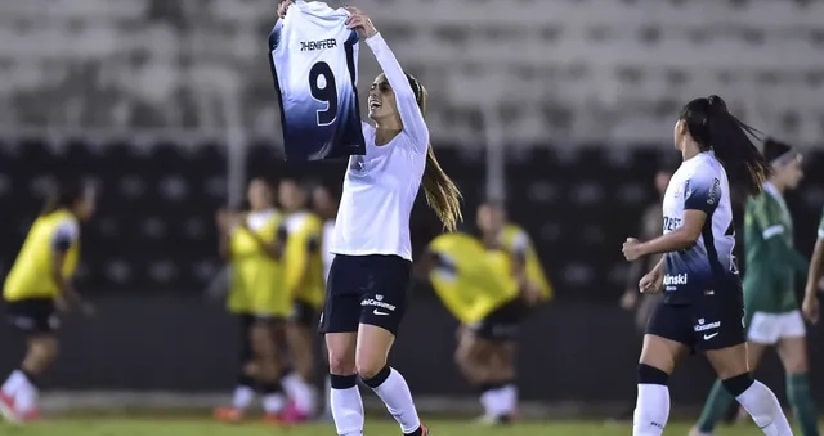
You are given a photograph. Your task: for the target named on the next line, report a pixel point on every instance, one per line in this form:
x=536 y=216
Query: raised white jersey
x=700 y=183
x=313 y=57
x=380 y=187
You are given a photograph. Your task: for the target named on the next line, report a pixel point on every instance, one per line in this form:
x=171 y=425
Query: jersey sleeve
x=702 y=192
x=274 y=35
x=411 y=116
x=65 y=235
x=520 y=245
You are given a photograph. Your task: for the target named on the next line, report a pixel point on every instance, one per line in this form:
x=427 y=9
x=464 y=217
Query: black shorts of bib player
x=703 y=308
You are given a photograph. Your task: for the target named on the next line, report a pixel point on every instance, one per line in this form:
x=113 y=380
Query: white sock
x=651 y=410
x=398 y=400
x=488 y=403
x=509 y=399
x=302 y=393
x=243 y=397
x=289 y=382
x=497 y=402
x=25 y=399
x=15 y=381
x=760 y=402
x=347 y=411
x=274 y=402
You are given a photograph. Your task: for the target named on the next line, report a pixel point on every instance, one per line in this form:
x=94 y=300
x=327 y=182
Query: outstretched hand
x=359 y=21
x=282 y=6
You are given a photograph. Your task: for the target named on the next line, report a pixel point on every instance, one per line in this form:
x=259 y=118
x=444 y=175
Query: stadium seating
x=597 y=69
x=154 y=229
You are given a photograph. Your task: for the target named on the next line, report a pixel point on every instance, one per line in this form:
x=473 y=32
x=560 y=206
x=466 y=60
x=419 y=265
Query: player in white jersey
x=366 y=290
x=702 y=306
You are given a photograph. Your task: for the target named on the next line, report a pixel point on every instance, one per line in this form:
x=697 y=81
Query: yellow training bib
x=534 y=269
x=473 y=281
x=303 y=259
x=257 y=278
x=31 y=276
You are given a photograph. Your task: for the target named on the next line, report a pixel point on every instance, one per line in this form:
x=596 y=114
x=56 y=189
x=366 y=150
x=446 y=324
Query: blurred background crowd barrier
x=565 y=106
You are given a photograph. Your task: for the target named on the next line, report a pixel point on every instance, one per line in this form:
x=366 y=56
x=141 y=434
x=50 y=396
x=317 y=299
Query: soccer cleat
x=293 y=415
x=30 y=416
x=229 y=414
x=8 y=409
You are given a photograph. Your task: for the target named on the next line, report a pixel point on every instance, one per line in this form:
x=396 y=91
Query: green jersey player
x=772 y=313
x=814 y=282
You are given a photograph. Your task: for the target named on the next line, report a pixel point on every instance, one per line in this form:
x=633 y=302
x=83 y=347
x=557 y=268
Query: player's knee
x=370 y=368
x=650 y=375
x=738 y=384
x=795 y=364
x=341 y=362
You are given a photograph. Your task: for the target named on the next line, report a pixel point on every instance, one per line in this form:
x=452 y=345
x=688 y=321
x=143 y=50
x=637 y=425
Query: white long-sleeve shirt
x=380 y=187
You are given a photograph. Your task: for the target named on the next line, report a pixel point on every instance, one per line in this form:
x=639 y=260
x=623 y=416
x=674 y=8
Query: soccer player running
x=496 y=335
x=39 y=282
x=702 y=307
x=773 y=316
x=253 y=243
x=304 y=283
x=366 y=291
x=473 y=283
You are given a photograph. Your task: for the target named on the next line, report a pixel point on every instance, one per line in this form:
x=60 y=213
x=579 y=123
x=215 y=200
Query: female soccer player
x=773 y=316
x=304 y=283
x=497 y=332
x=253 y=244
x=810 y=305
x=39 y=282
x=366 y=291
x=702 y=306
x=476 y=286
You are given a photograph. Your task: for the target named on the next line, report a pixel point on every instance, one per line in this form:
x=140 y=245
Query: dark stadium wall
x=570 y=351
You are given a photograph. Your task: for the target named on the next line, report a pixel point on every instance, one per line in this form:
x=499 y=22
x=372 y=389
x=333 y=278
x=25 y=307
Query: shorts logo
x=707 y=337
x=377 y=303
x=703 y=326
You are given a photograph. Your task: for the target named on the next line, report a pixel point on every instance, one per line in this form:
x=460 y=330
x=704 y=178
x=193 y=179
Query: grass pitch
x=205 y=427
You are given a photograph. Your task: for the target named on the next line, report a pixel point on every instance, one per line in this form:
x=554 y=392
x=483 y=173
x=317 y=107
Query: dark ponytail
x=713 y=127
x=64 y=196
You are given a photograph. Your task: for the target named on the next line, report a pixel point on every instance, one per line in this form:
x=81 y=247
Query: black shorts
x=305 y=314
x=713 y=319
x=365 y=290
x=33 y=315
x=503 y=323
x=245 y=323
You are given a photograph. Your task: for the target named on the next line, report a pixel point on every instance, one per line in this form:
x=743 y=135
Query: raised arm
x=701 y=196
x=411 y=116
